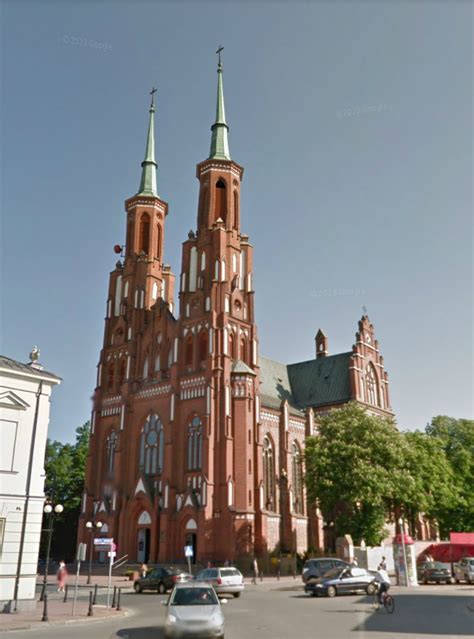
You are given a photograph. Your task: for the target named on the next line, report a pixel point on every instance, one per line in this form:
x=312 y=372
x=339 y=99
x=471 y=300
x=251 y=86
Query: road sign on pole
x=188 y=553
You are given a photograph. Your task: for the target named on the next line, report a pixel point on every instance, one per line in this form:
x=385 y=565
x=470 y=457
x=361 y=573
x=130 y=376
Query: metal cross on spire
x=364 y=310
x=152 y=93
x=220 y=48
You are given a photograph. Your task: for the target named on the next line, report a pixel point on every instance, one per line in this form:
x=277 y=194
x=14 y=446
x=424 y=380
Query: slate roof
x=275 y=385
x=241 y=367
x=317 y=382
x=19 y=367
x=321 y=381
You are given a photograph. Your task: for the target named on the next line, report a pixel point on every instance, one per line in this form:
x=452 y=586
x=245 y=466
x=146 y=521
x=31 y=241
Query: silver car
x=464 y=570
x=225 y=581
x=193 y=610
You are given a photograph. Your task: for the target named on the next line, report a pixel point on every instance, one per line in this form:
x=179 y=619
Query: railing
x=120 y=562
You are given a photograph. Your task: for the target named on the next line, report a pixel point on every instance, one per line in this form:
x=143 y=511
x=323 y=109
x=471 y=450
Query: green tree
x=65 y=467
x=456 y=436
x=355 y=470
x=431 y=487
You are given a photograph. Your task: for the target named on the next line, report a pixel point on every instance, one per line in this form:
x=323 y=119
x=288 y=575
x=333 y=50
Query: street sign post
x=111 y=548
x=188 y=553
x=80 y=556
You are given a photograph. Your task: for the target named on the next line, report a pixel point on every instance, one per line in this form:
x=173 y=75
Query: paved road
x=280 y=611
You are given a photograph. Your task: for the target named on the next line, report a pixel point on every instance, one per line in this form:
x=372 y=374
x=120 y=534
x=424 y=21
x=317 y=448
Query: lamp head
x=58 y=509
x=89 y=525
x=99 y=525
x=47 y=509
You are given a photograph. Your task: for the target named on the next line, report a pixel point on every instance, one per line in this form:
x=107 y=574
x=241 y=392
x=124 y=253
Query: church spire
x=148 y=181
x=219 y=141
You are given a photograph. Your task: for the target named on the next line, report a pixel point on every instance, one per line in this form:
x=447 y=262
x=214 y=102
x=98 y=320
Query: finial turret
x=149 y=165
x=220 y=140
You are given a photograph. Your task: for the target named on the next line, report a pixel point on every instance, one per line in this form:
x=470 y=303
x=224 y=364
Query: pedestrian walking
x=143 y=571
x=254 y=570
x=61 y=576
x=382 y=565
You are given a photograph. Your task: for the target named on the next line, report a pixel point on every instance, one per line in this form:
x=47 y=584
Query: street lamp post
x=49 y=510
x=402 y=531
x=90 y=527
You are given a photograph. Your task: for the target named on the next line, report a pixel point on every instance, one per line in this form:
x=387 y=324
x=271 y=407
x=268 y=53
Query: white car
x=193 y=610
x=225 y=581
x=464 y=570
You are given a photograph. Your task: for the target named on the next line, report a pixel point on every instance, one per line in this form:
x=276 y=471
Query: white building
x=25 y=391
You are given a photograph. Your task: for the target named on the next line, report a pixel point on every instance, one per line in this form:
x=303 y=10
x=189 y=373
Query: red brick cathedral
x=195 y=437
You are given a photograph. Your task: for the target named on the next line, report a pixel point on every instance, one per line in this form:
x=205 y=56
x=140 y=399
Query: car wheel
x=161 y=588
x=137 y=588
x=470 y=581
x=331 y=591
x=370 y=589
x=237 y=594
x=457 y=581
x=425 y=581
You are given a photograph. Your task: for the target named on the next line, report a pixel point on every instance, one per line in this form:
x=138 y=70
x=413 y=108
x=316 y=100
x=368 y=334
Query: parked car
x=193 y=609
x=315 y=568
x=225 y=581
x=161 y=578
x=464 y=570
x=342 y=580
x=433 y=571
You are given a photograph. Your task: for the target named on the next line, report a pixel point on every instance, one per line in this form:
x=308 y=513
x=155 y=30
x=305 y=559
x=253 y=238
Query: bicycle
x=388 y=601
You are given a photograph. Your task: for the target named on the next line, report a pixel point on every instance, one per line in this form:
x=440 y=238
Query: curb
x=32 y=625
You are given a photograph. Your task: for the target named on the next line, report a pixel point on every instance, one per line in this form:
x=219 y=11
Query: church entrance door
x=143 y=545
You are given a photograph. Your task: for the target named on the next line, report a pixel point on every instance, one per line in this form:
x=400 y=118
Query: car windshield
x=437 y=565
x=471 y=562
x=194 y=597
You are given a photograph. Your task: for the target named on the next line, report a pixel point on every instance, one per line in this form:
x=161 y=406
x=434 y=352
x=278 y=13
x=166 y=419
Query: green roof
x=317 y=382
x=275 y=385
x=220 y=139
x=321 y=381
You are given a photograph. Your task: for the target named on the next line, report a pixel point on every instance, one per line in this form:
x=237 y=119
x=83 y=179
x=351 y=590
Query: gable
x=9 y=399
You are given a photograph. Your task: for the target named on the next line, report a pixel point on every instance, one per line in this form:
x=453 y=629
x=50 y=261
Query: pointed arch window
x=203 y=347
x=195 y=444
x=220 y=202
x=269 y=484
x=188 y=351
x=243 y=350
x=152 y=446
x=236 y=210
x=144 y=233
x=232 y=345
x=373 y=396
x=297 y=473
x=158 y=241
x=111 y=376
x=122 y=371
x=110 y=450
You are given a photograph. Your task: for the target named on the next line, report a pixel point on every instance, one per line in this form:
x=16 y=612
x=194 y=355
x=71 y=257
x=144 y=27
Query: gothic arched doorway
x=143 y=537
x=190 y=537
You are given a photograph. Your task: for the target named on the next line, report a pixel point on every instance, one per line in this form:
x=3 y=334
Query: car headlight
x=171 y=619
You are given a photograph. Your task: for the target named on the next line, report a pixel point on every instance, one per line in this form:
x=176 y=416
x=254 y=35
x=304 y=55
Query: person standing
x=143 y=571
x=61 y=576
x=254 y=571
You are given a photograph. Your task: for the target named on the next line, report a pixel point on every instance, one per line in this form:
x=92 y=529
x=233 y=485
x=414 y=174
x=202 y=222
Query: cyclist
x=383 y=581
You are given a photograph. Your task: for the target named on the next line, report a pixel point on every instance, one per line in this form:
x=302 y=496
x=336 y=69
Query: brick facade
x=195 y=438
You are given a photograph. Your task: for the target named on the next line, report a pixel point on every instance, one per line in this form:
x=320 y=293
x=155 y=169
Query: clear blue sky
x=353 y=123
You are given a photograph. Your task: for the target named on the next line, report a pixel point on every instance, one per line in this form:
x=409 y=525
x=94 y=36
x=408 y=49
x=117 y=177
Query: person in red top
x=61 y=576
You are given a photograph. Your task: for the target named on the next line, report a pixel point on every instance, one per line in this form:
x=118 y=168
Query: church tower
x=219 y=336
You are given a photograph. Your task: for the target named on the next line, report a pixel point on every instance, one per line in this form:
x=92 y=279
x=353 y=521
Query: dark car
x=315 y=568
x=433 y=571
x=161 y=578
x=342 y=580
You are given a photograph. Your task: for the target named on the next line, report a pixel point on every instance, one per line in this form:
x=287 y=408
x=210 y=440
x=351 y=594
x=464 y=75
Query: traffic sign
x=103 y=541
x=112 y=554
x=188 y=551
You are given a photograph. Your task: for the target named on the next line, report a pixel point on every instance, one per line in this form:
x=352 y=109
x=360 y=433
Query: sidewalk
x=60 y=613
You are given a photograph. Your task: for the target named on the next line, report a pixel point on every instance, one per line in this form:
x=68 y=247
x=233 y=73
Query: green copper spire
x=148 y=181
x=220 y=141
